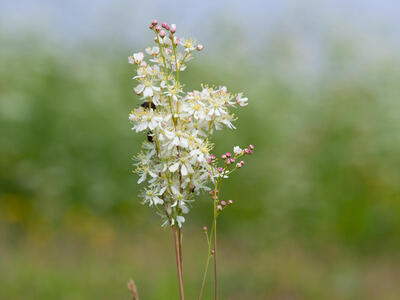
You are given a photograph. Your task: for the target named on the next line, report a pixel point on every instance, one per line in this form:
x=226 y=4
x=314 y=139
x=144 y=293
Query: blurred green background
x=317 y=208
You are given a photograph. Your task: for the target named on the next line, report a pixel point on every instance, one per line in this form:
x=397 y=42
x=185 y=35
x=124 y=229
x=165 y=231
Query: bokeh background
x=317 y=208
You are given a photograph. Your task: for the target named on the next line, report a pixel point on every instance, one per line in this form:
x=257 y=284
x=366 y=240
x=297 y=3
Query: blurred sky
x=122 y=20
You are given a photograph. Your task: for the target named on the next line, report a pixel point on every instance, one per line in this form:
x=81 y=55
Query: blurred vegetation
x=317 y=208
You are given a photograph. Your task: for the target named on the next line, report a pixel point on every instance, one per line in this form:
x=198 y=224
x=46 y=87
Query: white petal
x=139 y=89
x=174 y=167
x=148 y=92
x=184 y=170
x=142 y=178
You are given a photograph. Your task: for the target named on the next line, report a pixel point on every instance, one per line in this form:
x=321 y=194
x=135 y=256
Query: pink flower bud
x=212 y=251
x=151 y=26
x=154 y=22
x=228 y=161
x=223 y=156
x=212 y=157
x=200 y=47
x=204 y=228
x=251 y=147
x=247 y=151
x=233 y=160
x=162 y=33
x=211 y=193
x=238 y=165
x=158 y=28
x=230 y=201
x=219 y=207
x=242 y=162
x=251 y=152
x=173 y=28
x=223 y=202
x=165 y=25
x=220 y=169
x=228 y=154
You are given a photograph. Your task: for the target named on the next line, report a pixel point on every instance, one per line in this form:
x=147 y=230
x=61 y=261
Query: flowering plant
x=176 y=160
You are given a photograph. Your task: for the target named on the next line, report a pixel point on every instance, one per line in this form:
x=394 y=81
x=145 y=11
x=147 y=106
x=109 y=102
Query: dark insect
x=149 y=136
x=148 y=105
x=145 y=105
x=192 y=188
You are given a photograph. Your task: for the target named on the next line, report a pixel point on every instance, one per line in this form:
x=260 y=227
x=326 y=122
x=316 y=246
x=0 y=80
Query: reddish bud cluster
x=223 y=204
x=213 y=193
x=165 y=25
x=249 y=150
x=172 y=29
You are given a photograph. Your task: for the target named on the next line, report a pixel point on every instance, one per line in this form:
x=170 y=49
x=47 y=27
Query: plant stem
x=178 y=264
x=180 y=250
x=215 y=253
x=207 y=261
x=212 y=241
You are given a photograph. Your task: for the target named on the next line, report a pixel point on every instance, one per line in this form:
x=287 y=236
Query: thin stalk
x=180 y=249
x=178 y=265
x=207 y=261
x=215 y=261
x=211 y=242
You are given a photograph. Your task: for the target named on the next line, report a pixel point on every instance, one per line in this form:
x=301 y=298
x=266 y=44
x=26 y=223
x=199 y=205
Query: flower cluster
x=176 y=160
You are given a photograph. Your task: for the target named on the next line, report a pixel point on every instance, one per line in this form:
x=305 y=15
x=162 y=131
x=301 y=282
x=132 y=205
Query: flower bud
x=165 y=25
x=242 y=163
x=247 y=151
x=151 y=26
x=233 y=160
x=228 y=154
x=219 y=207
x=251 y=147
x=223 y=156
x=204 y=228
x=238 y=165
x=228 y=161
x=158 y=28
x=223 y=202
x=230 y=201
x=162 y=33
x=212 y=251
x=173 y=28
x=154 y=22
x=212 y=157
x=220 y=169
x=199 y=47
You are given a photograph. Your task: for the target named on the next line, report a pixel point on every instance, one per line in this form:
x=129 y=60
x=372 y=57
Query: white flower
x=177 y=139
x=184 y=165
x=136 y=59
x=241 y=101
x=152 y=198
x=147 y=89
x=145 y=121
x=180 y=220
x=237 y=150
x=152 y=51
